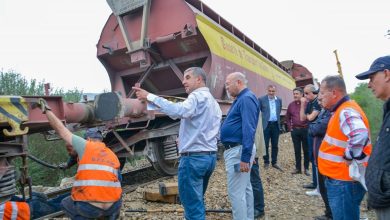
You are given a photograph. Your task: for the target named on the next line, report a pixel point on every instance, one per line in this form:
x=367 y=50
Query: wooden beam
x=157 y=197
x=168 y=189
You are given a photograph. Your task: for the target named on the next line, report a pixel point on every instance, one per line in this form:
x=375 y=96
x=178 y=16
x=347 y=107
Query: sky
x=55 y=41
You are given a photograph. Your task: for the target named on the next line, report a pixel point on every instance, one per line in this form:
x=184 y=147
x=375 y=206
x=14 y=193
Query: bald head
x=235 y=83
x=239 y=76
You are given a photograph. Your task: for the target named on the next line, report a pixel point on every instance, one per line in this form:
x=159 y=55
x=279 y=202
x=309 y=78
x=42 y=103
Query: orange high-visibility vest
x=14 y=211
x=332 y=150
x=97 y=175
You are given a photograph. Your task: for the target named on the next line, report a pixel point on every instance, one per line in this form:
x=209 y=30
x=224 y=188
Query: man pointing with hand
x=200 y=117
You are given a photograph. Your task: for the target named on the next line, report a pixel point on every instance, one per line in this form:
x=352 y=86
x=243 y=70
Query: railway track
x=130 y=182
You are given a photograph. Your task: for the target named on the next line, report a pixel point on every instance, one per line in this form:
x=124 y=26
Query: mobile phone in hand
x=237 y=168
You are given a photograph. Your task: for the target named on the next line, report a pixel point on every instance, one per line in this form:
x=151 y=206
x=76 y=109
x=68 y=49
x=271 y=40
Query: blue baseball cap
x=93 y=133
x=379 y=64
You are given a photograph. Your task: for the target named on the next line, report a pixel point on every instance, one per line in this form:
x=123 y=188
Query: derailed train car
x=149 y=44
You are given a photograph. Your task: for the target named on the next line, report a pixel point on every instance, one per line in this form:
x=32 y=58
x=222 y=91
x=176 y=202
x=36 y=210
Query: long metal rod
x=41 y=162
x=142 y=79
x=125 y=33
x=122 y=142
x=177 y=210
x=145 y=21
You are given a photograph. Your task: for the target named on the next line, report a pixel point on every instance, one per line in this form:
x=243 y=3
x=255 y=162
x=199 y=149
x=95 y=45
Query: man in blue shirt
x=238 y=135
x=200 y=117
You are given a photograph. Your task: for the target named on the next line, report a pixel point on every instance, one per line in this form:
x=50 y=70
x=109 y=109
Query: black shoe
x=296 y=172
x=258 y=214
x=307 y=172
x=266 y=165
x=322 y=217
x=309 y=186
x=277 y=167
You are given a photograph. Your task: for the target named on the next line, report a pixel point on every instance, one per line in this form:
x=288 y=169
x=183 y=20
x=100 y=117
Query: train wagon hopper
x=150 y=44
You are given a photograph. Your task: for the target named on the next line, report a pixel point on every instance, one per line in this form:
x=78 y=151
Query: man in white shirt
x=200 y=117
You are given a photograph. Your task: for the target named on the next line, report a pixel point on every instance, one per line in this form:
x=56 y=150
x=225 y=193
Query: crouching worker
x=96 y=191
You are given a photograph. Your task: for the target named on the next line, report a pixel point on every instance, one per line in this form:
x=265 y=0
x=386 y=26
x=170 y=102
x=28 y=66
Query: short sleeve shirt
x=78 y=144
x=312 y=106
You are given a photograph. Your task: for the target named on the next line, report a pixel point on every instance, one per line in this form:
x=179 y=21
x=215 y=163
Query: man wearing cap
x=97 y=190
x=378 y=170
x=346 y=141
x=200 y=117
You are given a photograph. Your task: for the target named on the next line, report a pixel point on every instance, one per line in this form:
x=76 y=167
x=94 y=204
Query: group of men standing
x=338 y=139
x=336 y=136
x=333 y=131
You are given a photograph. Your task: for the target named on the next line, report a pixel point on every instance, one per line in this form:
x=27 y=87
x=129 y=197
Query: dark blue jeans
x=311 y=156
x=344 y=198
x=257 y=187
x=271 y=132
x=193 y=178
x=83 y=210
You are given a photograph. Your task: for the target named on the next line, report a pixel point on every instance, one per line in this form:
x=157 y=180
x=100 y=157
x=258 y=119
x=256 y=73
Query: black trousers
x=321 y=178
x=271 y=132
x=299 y=138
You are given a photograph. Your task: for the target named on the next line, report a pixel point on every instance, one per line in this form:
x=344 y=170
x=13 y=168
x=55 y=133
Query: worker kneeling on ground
x=96 y=191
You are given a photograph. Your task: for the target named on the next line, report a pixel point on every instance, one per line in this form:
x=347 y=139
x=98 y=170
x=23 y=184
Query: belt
x=299 y=127
x=199 y=153
x=351 y=181
x=229 y=145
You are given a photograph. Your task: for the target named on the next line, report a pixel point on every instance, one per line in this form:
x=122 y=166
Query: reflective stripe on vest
x=96 y=183
x=338 y=159
x=97 y=167
x=336 y=142
x=14 y=214
x=331 y=157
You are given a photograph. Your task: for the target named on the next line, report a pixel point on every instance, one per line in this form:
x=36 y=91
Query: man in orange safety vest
x=347 y=140
x=97 y=190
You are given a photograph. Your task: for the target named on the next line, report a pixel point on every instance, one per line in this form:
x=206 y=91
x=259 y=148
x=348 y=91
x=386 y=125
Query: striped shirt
x=352 y=125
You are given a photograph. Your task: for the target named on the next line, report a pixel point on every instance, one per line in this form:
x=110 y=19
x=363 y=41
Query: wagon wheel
x=166 y=154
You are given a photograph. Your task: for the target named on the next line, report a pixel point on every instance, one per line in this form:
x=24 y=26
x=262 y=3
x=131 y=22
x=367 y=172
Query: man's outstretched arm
x=56 y=123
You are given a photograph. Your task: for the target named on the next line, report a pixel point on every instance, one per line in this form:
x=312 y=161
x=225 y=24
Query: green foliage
x=372 y=106
x=12 y=83
x=70 y=95
x=52 y=152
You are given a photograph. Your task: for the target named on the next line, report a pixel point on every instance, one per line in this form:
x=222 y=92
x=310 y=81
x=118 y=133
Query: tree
x=70 y=95
x=371 y=106
x=12 y=83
